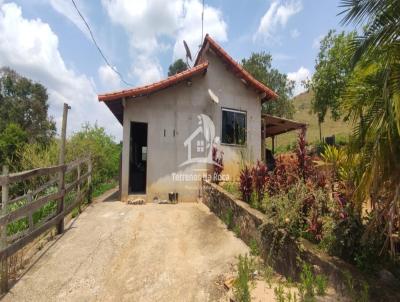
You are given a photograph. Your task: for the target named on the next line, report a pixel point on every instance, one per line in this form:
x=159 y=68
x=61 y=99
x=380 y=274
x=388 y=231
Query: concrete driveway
x=119 y=252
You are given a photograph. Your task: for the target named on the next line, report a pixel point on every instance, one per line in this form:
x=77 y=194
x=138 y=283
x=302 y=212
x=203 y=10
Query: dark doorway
x=138 y=158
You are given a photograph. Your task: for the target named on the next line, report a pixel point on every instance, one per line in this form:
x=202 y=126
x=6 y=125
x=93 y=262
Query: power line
x=98 y=47
x=202 y=26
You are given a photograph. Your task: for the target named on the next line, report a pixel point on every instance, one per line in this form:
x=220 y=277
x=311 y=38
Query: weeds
x=228 y=218
x=321 y=283
x=351 y=285
x=241 y=288
x=268 y=274
x=284 y=296
x=254 y=248
x=311 y=285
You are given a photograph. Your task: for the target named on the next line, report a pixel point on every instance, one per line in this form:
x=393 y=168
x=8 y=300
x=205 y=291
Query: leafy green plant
x=254 y=248
x=283 y=294
x=321 y=282
x=228 y=218
x=279 y=292
x=236 y=230
x=311 y=285
x=232 y=188
x=241 y=287
x=306 y=286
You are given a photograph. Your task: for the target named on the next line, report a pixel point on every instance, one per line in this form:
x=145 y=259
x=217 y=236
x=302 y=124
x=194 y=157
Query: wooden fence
x=58 y=190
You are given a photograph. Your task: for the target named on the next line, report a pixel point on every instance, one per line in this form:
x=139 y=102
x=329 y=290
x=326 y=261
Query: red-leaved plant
x=218 y=159
x=260 y=177
x=284 y=175
x=246 y=184
x=305 y=164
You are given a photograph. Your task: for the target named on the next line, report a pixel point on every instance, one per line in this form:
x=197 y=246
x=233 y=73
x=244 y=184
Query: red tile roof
x=238 y=69
x=201 y=65
x=143 y=90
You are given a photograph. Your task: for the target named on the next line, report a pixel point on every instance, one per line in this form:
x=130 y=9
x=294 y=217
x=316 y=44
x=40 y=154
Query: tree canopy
x=177 y=67
x=23 y=115
x=332 y=71
x=260 y=66
x=25 y=103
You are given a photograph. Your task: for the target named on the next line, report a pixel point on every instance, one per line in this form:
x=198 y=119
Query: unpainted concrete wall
x=176 y=110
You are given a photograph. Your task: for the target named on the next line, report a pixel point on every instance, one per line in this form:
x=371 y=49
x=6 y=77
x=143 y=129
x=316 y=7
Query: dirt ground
x=119 y=252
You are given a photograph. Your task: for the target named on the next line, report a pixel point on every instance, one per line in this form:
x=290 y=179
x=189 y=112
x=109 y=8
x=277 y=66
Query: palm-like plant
x=373 y=102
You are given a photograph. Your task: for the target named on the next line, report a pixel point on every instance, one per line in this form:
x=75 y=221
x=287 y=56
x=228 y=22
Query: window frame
x=222 y=126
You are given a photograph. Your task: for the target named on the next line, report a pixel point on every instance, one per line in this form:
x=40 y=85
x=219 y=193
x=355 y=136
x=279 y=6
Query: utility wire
x=98 y=47
x=202 y=25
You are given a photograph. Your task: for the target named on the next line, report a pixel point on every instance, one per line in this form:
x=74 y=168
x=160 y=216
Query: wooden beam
x=3 y=238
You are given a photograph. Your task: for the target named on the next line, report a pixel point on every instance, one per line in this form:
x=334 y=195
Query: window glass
x=233 y=127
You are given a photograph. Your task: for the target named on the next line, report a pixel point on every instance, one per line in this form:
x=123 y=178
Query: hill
x=302 y=103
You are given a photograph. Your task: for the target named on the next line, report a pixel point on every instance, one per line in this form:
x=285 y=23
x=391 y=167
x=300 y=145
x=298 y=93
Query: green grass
x=302 y=103
x=103 y=187
x=51 y=207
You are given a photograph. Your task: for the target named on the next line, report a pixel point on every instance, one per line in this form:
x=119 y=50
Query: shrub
x=286 y=209
x=259 y=175
x=301 y=152
x=232 y=188
x=284 y=175
x=218 y=159
x=246 y=184
x=105 y=153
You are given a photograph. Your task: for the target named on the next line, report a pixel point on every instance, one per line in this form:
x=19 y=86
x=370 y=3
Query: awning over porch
x=273 y=125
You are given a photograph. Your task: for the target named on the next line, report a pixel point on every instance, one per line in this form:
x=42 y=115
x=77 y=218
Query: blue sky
x=48 y=42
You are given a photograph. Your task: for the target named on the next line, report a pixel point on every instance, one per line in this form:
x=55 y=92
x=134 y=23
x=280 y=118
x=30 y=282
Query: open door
x=138 y=158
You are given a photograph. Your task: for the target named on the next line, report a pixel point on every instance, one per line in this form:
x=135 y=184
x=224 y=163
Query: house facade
x=171 y=127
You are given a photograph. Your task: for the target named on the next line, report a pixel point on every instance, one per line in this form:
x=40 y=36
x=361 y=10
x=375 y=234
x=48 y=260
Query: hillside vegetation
x=302 y=104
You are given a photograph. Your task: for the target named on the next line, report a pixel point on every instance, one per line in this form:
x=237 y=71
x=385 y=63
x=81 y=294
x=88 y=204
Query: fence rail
x=54 y=192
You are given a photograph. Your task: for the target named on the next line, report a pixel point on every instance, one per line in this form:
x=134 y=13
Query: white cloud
x=147 y=70
x=317 y=41
x=67 y=9
x=31 y=48
x=149 y=22
x=277 y=16
x=190 y=27
x=298 y=76
x=294 y=33
x=145 y=20
x=108 y=78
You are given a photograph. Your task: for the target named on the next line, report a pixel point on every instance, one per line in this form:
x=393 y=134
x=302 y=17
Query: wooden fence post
x=78 y=194
x=61 y=181
x=90 y=170
x=3 y=239
x=30 y=217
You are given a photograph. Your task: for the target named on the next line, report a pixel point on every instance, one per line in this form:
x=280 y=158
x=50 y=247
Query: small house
x=173 y=129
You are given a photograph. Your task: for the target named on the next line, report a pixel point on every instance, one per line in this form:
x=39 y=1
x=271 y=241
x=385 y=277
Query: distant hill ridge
x=302 y=103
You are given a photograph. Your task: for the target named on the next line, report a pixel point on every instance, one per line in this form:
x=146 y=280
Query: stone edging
x=284 y=253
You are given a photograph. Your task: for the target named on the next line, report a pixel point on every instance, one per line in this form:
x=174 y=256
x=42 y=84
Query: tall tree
x=177 y=67
x=373 y=101
x=260 y=66
x=25 y=103
x=332 y=70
